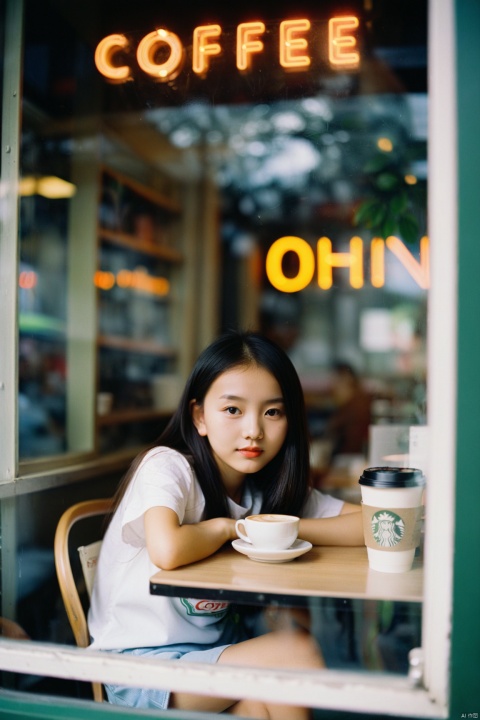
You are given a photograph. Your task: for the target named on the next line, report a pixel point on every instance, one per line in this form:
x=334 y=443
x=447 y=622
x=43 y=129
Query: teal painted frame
x=465 y=654
x=465 y=650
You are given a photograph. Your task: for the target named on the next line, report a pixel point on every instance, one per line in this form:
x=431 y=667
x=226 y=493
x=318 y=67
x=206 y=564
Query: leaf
x=376 y=164
x=388 y=226
x=398 y=204
x=364 y=213
x=387 y=181
x=378 y=215
x=408 y=228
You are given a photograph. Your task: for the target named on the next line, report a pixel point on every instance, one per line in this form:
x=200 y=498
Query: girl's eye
x=232 y=410
x=273 y=412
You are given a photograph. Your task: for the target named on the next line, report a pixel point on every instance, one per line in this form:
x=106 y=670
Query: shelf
x=147 y=193
x=132 y=415
x=162 y=252
x=142 y=346
x=139 y=225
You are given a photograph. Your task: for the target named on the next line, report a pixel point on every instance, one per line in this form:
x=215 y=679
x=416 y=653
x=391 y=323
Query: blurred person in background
x=347 y=426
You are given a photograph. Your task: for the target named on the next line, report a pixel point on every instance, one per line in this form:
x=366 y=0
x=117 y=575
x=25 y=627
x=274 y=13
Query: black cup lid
x=392 y=477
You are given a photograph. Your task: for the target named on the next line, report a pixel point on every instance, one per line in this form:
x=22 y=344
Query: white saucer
x=298 y=548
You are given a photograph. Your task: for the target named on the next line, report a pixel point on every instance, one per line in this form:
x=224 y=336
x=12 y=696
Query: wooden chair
x=88 y=554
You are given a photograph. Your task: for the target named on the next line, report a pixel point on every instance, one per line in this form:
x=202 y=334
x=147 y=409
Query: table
x=339 y=572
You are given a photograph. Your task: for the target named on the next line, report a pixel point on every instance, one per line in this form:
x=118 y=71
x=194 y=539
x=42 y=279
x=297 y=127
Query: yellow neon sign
x=113 y=51
x=328 y=260
x=306 y=260
x=419 y=270
x=377 y=262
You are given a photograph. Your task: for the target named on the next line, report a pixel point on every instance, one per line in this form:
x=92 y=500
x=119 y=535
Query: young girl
x=237 y=445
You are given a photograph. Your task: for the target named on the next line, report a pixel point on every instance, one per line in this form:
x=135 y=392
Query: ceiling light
x=50 y=186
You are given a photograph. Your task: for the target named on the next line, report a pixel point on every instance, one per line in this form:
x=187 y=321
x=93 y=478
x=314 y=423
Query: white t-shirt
x=123 y=614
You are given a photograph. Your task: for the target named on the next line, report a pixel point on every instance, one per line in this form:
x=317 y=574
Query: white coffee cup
x=392 y=514
x=269 y=530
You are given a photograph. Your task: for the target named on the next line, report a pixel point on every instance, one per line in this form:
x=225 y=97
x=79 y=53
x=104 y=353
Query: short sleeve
x=163 y=479
x=319 y=505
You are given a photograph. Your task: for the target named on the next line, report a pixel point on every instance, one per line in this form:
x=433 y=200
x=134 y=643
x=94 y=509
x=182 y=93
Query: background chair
x=69 y=586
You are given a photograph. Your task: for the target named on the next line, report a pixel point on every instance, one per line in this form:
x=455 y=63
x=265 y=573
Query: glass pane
x=291 y=200
x=42 y=326
x=333 y=158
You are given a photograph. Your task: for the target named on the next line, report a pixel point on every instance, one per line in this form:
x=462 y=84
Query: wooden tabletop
x=340 y=572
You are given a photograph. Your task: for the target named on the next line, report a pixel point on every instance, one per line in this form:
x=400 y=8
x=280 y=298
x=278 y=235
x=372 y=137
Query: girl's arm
x=343 y=529
x=171 y=545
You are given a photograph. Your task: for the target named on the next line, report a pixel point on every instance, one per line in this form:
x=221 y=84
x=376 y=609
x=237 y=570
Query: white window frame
x=359 y=692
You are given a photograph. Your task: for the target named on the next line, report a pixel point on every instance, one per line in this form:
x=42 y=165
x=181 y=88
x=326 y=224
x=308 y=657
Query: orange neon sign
x=326 y=260
x=340 y=41
x=138 y=279
x=105 y=54
x=203 y=49
x=291 y=46
x=113 y=55
x=167 y=70
x=248 y=43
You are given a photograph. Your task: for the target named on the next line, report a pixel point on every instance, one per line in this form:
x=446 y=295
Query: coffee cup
x=392 y=512
x=270 y=531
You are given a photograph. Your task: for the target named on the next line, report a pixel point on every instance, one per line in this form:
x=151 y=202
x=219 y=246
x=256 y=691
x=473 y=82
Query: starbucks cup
x=392 y=515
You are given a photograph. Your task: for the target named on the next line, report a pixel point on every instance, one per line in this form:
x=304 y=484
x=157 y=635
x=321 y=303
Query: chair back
x=88 y=557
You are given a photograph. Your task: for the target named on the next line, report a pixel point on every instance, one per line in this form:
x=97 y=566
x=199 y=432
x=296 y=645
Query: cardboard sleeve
x=392 y=529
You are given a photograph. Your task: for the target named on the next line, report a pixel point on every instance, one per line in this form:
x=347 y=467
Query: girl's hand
x=171 y=545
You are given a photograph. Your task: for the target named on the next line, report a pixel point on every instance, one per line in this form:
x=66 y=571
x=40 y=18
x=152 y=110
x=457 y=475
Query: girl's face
x=243 y=417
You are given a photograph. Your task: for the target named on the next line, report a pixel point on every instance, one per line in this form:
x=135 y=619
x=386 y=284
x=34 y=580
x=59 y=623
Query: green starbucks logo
x=388 y=528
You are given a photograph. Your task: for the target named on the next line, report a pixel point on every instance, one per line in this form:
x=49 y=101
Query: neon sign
x=114 y=51
x=27 y=279
x=419 y=270
x=138 y=279
x=340 y=41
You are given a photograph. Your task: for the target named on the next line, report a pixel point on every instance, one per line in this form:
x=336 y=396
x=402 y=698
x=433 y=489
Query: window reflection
x=42 y=326
x=334 y=158
x=243 y=164
x=306 y=170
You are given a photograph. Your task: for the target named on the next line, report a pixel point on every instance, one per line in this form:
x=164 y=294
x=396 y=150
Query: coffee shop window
x=273 y=191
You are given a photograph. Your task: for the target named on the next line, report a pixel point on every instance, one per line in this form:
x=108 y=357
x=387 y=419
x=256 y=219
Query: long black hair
x=284 y=481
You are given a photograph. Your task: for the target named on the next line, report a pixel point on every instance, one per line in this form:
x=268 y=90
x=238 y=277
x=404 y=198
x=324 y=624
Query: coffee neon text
x=206 y=45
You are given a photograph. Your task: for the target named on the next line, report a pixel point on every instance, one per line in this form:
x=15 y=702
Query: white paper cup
x=392 y=514
x=269 y=531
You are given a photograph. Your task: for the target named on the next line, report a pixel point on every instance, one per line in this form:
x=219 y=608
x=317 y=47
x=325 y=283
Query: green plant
x=391 y=205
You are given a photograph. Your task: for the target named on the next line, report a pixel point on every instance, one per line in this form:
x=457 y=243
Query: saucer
x=298 y=548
